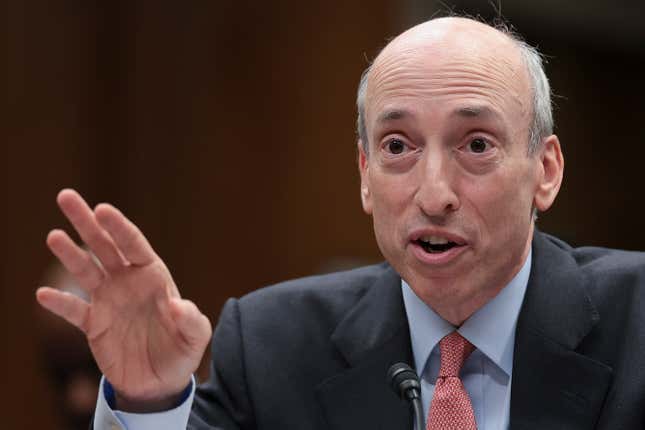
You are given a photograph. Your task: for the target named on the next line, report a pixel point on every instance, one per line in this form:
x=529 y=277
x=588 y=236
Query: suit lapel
x=554 y=386
x=372 y=336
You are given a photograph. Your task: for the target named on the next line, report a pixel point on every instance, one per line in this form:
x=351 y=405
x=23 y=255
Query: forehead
x=463 y=63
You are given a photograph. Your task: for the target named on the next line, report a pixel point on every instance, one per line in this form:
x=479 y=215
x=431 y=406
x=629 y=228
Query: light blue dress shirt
x=105 y=418
x=487 y=373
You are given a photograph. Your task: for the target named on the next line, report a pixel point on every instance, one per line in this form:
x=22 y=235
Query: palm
x=137 y=355
x=145 y=339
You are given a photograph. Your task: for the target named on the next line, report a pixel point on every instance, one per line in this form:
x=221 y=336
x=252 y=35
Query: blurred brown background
x=225 y=130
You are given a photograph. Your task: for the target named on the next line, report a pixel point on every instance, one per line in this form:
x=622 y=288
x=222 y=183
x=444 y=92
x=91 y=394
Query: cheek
x=390 y=199
x=390 y=193
x=502 y=202
x=386 y=210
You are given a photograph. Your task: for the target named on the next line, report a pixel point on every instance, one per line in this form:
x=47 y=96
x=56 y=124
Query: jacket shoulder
x=614 y=278
x=321 y=298
x=601 y=261
x=610 y=263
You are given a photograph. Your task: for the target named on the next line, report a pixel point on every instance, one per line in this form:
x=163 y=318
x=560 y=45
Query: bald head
x=445 y=55
x=451 y=36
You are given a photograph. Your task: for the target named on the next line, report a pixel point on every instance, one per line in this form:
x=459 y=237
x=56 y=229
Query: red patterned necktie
x=451 y=408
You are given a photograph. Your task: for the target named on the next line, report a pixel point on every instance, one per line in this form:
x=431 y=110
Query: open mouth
x=435 y=245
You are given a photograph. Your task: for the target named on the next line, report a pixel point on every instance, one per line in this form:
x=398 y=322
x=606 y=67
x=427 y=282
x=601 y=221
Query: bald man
x=507 y=327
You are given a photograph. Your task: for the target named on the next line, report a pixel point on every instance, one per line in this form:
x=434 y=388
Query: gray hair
x=542 y=114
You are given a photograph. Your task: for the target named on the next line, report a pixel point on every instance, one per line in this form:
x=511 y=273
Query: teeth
x=434 y=240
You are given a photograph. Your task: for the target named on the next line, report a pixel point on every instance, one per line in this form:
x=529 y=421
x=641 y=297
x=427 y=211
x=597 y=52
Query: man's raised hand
x=145 y=338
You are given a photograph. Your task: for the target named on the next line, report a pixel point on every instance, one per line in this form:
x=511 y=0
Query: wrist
x=165 y=402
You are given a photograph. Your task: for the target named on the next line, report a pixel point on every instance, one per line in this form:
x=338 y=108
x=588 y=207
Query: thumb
x=193 y=325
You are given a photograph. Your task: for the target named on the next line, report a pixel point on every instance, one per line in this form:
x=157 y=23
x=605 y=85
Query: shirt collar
x=491 y=329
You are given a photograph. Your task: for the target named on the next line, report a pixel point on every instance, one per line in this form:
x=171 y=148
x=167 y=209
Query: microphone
x=405 y=383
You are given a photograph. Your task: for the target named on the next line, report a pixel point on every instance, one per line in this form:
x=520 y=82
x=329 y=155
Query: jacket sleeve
x=223 y=401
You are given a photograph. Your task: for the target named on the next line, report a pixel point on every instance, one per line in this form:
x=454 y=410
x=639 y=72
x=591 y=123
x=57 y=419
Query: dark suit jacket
x=313 y=353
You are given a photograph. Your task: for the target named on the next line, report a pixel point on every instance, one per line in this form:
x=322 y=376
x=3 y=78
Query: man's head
x=456 y=152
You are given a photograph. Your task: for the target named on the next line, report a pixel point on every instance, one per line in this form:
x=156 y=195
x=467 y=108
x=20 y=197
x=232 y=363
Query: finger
x=68 y=306
x=128 y=238
x=83 y=220
x=77 y=261
x=193 y=326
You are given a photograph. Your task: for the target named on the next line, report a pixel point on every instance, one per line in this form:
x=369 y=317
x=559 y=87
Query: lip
x=441 y=258
x=452 y=237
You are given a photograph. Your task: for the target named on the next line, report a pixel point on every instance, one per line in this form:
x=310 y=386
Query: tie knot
x=454 y=351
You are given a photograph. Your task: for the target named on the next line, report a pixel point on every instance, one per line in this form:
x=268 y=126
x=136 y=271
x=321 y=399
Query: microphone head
x=403 y=380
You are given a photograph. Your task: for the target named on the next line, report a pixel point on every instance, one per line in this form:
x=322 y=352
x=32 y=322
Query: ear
x=363 y=168
x=551 y=171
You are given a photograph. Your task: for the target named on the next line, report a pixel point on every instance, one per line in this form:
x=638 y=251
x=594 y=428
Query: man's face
x=448 y=178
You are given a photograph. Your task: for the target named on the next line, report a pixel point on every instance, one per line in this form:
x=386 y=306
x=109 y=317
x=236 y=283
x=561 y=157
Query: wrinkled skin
x=448 y=108
x=145 y=338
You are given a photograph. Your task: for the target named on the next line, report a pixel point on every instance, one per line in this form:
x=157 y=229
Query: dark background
x=225 y=130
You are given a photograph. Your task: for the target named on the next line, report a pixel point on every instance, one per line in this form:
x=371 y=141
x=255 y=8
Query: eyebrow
x=476 y=112
x=469 y=111
x=392 y=115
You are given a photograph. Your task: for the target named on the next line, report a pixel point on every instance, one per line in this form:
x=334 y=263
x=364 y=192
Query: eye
x=478 y=145
x=395 y=146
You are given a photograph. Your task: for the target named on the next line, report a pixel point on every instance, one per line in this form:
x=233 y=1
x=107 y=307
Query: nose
x=435 y=194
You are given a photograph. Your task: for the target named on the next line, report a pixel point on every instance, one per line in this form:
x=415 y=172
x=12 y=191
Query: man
x=506 y=326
